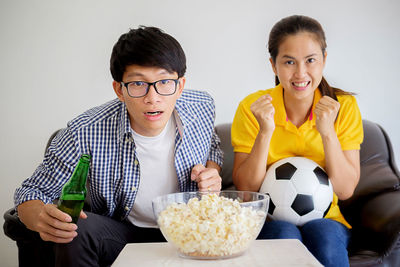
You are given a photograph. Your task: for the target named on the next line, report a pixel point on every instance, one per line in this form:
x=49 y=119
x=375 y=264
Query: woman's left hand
x=326 y=111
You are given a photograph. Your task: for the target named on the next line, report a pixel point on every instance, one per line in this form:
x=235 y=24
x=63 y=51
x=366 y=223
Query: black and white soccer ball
x=299 y=190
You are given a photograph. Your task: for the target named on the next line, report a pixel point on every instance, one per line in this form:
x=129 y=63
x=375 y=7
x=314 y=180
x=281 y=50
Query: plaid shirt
x=105 y=133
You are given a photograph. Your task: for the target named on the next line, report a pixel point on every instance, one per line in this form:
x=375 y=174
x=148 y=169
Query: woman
x=301 y=116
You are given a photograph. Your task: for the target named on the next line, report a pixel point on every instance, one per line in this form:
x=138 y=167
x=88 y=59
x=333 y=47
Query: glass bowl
x=211 y=225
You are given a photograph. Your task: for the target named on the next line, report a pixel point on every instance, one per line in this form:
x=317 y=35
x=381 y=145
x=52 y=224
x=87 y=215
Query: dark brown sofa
x=373 y=210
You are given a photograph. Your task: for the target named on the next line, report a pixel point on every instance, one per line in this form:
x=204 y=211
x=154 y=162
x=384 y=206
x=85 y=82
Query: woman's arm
x=249 y=169
x=343 y=167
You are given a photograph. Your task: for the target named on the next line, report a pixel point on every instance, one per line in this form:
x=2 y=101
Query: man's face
x=148 y=114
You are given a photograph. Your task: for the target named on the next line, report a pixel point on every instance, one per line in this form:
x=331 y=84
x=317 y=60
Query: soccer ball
x=299 y=190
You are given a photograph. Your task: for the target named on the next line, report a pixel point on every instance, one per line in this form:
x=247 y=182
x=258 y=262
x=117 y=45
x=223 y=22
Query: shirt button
x=136 y=162
x=126 y=208
x=133 y=188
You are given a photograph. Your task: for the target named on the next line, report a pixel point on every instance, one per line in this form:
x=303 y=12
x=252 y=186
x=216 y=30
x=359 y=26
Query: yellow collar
x=280 y=111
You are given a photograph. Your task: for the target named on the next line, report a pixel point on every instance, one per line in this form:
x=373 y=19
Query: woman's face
x=299 y=65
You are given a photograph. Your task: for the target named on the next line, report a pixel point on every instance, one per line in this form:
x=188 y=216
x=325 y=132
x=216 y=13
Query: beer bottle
x=74 y=191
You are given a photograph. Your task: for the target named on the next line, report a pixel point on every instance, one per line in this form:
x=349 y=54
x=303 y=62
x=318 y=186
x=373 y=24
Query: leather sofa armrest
x=15 y=229
x=379 y=223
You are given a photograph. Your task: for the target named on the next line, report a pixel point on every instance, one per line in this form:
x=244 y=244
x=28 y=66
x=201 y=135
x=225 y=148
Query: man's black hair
x=147 y=46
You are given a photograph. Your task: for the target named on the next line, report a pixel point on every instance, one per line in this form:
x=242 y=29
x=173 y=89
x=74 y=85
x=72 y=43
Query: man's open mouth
x=153 y=113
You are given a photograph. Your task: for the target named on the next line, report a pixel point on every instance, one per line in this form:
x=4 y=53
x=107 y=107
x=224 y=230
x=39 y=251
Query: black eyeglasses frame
x=154 y=84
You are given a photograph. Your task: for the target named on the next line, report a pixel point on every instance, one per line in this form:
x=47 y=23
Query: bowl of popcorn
x=211 y=225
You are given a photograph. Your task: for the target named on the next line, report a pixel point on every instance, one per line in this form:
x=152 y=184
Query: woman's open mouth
x=300 y=85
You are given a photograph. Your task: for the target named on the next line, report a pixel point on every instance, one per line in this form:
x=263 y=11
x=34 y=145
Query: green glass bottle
x=74 y=191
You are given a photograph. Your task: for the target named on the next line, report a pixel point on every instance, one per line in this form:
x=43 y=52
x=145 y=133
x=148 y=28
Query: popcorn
x=211 y=227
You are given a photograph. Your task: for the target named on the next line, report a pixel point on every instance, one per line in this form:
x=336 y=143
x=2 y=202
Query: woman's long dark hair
x=293 y=25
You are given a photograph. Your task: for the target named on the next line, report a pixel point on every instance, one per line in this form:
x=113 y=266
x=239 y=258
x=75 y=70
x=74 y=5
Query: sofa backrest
x=379 y=172
x=224 y=133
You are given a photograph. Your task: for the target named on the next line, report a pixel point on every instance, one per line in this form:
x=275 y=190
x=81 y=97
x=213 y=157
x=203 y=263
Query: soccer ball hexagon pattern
x=299 y=190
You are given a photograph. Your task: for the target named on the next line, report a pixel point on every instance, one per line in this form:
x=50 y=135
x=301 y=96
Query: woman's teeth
x=303 y=84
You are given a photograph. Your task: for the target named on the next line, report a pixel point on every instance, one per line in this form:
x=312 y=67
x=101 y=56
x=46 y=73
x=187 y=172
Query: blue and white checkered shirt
x=105 y=133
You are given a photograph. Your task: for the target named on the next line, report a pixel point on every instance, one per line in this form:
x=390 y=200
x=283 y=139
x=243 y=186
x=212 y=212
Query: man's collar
x=184 y=116
x=124 y=129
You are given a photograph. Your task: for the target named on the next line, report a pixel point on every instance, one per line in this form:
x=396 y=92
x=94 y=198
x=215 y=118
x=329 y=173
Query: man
x=155 y=139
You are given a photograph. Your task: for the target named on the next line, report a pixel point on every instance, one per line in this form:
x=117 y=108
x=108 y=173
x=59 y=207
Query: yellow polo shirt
x=305 y=141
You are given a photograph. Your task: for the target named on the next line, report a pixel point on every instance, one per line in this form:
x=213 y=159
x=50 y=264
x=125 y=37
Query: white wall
x=54 y=62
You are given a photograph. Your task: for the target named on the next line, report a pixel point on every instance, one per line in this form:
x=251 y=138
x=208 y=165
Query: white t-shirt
x=157 y=173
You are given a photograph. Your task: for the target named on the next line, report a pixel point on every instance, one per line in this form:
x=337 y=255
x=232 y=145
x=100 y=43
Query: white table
x=276 y=252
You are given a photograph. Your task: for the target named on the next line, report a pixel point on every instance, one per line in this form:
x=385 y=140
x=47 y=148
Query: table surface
x=272 y=252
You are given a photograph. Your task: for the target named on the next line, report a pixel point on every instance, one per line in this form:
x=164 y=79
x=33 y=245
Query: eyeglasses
x=139 y=88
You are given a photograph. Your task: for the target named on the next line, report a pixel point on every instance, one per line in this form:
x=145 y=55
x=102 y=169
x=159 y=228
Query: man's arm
x=33 y=199
x=214 y=165
x=46 y=182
